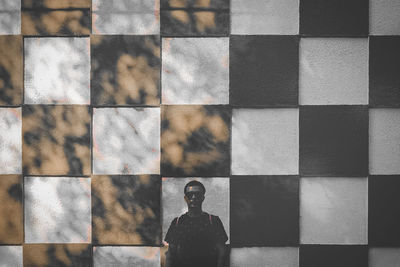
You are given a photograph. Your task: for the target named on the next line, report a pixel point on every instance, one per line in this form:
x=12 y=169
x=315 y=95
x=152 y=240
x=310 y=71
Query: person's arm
x=169 y=255
x=170 y=239
x=221 y=254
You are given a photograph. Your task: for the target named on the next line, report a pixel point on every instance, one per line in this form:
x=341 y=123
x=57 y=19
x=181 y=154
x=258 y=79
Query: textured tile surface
x=57 y=210
x=11 y=77
x=11 y=256
x=10 y=141
x=333 y=210
x=384 y=141
x=257 y=65
x=195 y=140
x=11 y=214
x=333 y=71
x=262 y=256
x=265 y=17
x=125 y=70
x=126 y=141
x=195 y=71
x=334 y=141
x=384 y=17
x=126 y=17
x=216 y=199
x=126 y=256
x=49 y=255
x=10 y=17
x=333 y=256
x=384 y=65
x=384 y=210
x=126 y=210
x=56 y=140
x=57 y=71
x=265 y=141
x=55 y=4
x=334 y=18
x=264 y=211
x=384 y=257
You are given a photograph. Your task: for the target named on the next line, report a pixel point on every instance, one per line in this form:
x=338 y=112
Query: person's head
x=194 y=194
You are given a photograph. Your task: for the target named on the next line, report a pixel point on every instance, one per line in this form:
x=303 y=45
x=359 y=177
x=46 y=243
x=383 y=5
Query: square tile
x=333 y=210
x=56 y=140
x=216 y=199
x=334 y=141
x=126 y=210
x=384 y=257
x=384 y=210
x=125 y=70
x=10 y=141
x=126 y=256
x=126 y=141
x=384 y=141
x=203 y=21
x=195 y=140
x=333 y=71
x=11 y=214
x=264 y=70
x=136 y=17
x=10 y=17
x=271 y=257
x=265 y=17
x=384 y=17
x=66 y=255
x=195 y=71
x=57 y=210
x=334 y=18
x=265 y=141
x=11 y=69
x=11 y=256
x=264 y=211
x=384 y=65
x=57 y=70
x=333 y=256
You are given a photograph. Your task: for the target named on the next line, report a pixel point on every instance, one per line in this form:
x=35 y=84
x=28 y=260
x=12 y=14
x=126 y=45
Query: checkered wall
x=289 y=111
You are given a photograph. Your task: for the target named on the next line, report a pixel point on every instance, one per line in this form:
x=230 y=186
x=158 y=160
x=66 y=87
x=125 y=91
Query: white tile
x=265 y=141
x=384 y=257
x=10 y=17
x=11 y=256
x=333 y=71
x=384 y=17
x=216 y=199
x=57 y=70
x=333 y=210
x=126 y=256
x=57 y=210
x=195 y=71
x=10 y=141
x=126 y=141
x=384 y=141
x=264 y=257
x=265 y=17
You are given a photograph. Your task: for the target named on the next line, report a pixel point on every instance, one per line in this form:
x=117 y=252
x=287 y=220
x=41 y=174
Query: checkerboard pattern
x=288 y=111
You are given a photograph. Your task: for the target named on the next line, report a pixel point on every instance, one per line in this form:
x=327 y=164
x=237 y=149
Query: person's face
x=194 y=196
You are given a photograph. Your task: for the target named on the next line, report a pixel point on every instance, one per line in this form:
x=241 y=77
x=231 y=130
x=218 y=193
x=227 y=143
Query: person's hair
x=194 y=183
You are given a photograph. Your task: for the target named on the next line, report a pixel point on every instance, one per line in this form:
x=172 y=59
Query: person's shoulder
x=214 y=218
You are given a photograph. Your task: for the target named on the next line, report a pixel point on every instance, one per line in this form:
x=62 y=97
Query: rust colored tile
x=73 y=22
x=54 y=4
x=56 y=140
x=126 y=210
x=11 y=78
x=125 y=70
x=11 y=226
x=48 y=255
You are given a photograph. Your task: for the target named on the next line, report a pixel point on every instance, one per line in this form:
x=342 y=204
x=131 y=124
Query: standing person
x=196 y=238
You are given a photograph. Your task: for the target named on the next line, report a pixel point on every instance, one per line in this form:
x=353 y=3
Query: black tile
x=384 y=210
x=334 y=140
x=384 y=71
x=264 y=70
x=264 y=211
x=334 y=18
x=333 y=256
